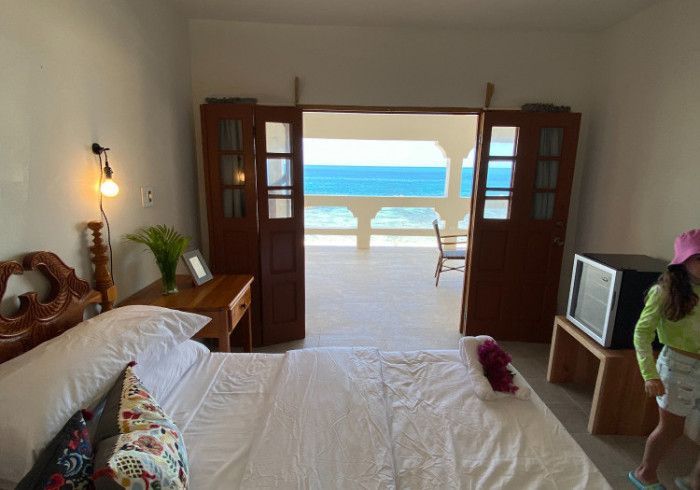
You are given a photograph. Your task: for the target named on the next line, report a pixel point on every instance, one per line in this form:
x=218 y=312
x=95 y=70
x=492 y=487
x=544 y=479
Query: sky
x=387 y=153
x=391 y=153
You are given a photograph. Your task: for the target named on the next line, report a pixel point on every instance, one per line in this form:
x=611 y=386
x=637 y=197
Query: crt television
x=607 y=295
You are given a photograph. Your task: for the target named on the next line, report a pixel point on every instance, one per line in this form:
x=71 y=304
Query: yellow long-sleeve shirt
x=683 y=334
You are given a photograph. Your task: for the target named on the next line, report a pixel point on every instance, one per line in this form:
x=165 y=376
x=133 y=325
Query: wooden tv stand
x=620 y=405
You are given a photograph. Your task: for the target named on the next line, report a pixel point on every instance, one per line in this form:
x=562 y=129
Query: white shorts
x=680 y=375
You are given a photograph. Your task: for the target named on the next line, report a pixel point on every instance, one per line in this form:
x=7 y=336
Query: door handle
x=558 y=241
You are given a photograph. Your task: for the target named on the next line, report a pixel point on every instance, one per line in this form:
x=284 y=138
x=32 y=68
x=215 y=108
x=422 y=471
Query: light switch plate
x=147 y=196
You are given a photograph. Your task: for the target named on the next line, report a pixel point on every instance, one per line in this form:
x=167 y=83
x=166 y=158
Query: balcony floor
x=383 y=297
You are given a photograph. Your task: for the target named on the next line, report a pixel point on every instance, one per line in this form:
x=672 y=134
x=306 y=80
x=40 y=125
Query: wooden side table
x=620 y=405
x=225 y=299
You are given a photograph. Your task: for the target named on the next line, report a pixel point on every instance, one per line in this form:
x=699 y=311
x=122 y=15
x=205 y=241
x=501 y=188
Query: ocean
x=378 y=181
x=332 y=180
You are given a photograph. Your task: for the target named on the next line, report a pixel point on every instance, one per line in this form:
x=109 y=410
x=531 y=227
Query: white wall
x=642 y=182
x=391 y=67
x=375 y=66
x=76 y=72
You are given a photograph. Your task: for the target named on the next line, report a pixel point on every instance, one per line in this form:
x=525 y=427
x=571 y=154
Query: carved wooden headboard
x=37 y=321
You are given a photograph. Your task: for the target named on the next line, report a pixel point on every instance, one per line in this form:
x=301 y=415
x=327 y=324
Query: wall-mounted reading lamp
x=108 y=187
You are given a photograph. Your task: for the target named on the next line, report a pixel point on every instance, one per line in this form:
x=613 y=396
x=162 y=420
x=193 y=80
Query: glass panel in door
x=230 y=134
x=278 y=137
x=543 y=205
x=279 y=204
x=233 y=203
x=232 y=170
x=499 y=180
x=547 y=174
x=550 y=141
x=504 y=141
x=279 y=172
x=280 y=208
x=499 y=174
x=497 y=208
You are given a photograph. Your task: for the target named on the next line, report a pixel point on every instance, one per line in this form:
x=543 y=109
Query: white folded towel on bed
x=468 y=351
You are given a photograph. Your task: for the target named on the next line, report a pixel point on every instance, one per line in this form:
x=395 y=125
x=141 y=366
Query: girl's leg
x=658 y=444
x=695 y=476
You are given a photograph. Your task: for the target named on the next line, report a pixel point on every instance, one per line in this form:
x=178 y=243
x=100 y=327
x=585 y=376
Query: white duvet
x=362 y=418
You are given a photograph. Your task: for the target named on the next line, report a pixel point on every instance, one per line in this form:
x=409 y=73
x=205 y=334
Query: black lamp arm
x=97 y=149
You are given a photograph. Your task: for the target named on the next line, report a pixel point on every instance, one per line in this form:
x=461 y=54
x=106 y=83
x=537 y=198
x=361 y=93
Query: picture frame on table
x=197 y=267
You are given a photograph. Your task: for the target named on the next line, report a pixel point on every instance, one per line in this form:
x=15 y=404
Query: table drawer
x=239 y=308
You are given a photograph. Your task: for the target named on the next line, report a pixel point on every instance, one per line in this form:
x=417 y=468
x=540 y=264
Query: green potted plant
x=167 y=246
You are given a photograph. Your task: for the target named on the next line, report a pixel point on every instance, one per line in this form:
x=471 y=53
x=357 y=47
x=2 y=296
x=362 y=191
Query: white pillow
x=468 y=351
x=42 y=388
x=161 y=374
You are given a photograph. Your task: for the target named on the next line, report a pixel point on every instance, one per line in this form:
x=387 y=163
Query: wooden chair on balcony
x=445 y=255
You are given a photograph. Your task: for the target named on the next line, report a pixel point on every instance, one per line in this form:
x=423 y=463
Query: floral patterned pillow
x=139 y=445
x=66 y=463
x=141 y=459
x=129 y=406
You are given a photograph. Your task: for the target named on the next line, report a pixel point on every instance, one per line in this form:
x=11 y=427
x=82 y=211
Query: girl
x=672 y=311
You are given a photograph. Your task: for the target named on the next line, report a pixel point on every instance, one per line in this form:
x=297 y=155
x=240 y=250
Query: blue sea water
x=334 y=180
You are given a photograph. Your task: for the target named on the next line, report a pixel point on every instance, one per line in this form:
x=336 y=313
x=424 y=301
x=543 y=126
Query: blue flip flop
x=642 y=486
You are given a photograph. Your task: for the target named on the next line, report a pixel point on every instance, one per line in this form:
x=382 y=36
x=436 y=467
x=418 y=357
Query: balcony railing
x=365 y=209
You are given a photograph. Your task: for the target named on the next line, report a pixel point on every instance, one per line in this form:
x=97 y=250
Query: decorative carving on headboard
x=103 y=280
x=36 y=321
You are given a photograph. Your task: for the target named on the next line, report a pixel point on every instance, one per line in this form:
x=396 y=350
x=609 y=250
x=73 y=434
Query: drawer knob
x=242 y=305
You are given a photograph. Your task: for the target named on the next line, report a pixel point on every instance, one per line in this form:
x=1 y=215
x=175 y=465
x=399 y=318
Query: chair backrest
x=436 y=227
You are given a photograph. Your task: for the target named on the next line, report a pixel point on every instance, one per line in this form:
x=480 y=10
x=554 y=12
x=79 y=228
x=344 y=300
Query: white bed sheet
x=361 y=418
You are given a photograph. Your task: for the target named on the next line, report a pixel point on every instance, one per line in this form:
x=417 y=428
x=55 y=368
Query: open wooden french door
x=278 y=150
x=232 y=210
x=519 y=210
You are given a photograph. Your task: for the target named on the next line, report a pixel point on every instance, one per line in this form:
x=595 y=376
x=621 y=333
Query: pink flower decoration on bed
x=495 y=361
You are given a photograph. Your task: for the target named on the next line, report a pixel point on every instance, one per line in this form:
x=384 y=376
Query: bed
x=319 y=418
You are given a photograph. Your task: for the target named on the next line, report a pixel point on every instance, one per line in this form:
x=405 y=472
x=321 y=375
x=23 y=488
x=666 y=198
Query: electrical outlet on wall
x=147 y=196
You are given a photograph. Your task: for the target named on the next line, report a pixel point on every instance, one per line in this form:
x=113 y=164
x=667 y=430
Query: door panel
x=520 y=206
x=284 y=252
x=489 y=298
x=284 y=309
x=492 y=251
x=241 y=247
x=278 y=144
x=230 y=183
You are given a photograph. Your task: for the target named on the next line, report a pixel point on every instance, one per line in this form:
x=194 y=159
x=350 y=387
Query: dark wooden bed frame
x=37 y=321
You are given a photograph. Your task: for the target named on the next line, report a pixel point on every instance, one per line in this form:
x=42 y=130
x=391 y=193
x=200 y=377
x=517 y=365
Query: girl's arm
x=644 y=334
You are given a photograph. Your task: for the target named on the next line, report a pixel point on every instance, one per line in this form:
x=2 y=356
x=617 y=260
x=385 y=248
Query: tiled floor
x=386 y=297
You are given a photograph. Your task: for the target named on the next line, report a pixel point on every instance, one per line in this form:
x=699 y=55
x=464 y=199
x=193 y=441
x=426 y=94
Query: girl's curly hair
x=677 y=296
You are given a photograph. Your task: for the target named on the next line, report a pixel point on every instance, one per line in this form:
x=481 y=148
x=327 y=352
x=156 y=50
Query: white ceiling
x=560 y=15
